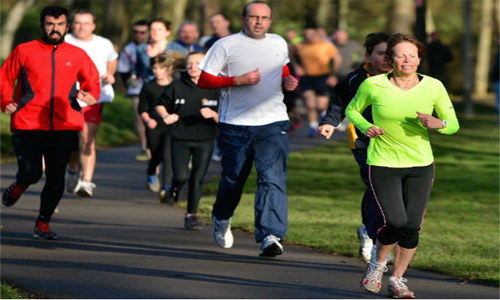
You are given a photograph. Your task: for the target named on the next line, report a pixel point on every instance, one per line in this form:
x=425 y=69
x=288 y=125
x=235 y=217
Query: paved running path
x=123 y=243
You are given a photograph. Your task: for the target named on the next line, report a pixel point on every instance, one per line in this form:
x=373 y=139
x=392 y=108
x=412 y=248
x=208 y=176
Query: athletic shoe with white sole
x=191 y=222
x=222 y=233
x=372 y=280
x=399 y=290
x=153 y=184
x=86 y=189
x=271 y=246
x=42 y=231
x=366 y=244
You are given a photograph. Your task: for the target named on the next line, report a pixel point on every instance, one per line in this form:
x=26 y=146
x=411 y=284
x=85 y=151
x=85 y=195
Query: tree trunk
x=11 y=24
x=343 y=12
x=322 y=12
x=179 y=13
x=467 y=60
x=116 y=25
x=484 y=49
x=403 y=16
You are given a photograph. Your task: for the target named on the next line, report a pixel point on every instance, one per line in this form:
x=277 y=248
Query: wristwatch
x=445 y=123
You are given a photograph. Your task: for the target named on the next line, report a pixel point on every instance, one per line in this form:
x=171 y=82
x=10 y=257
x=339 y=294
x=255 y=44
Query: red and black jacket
x=46 y=88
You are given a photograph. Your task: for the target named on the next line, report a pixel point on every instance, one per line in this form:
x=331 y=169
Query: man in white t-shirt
x=251 y=67
x=104 y=56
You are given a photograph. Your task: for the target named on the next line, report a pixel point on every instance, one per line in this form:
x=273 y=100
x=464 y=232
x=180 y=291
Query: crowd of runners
x=232 y=97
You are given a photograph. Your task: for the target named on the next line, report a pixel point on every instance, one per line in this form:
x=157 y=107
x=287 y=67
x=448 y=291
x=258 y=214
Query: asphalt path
x=122 y=243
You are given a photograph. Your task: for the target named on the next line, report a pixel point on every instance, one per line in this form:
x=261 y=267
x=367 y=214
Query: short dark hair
x=81 y=11
x=375 y=38
x=142 y=22
x=53 y=11
x=244 y=13
x=220 y=14
x=195 y=53
x=399 y=38
x=311 y=25
x=166 y=23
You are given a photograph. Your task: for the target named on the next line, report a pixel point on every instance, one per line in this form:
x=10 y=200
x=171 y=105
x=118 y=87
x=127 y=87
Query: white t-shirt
x=237 y=54
x=101 y=51
x=126 y=64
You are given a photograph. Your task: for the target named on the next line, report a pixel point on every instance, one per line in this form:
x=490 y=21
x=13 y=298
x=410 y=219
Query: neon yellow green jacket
x=405 y=142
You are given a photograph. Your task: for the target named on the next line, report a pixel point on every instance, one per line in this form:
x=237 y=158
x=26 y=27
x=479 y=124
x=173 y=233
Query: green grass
x=11 y=292
x=460 y=235
x=116 y=129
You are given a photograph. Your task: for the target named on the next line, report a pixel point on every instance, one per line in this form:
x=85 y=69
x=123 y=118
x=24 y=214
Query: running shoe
x=163 y=194
x=73 y=182
x=172 y=196
x=153 y=183
x=12 y=194
x=86 y=189
x=399 y=290
x=271 y=246
x=42 y=231
x=312 y=132
x=222 y=233
x=191 y=222
x=372 y=280
x=142 y=156
x=366 y=244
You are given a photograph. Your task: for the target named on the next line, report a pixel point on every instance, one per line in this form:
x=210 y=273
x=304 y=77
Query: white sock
x=382 y=264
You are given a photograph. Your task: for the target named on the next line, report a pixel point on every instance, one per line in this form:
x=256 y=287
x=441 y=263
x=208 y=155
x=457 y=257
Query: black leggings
x=55 y=147
x=182 y=151
x=402 y=194
x=159 y=144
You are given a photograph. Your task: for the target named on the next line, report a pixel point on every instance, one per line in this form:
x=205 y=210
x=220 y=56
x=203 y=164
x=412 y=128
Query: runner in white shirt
x=251 y=68
x=104 y=56
x=126 y=64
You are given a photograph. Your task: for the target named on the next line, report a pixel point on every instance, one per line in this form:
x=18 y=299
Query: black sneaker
x=172 y=196
x=12 y=194
x=191 y=223
x=42 y=231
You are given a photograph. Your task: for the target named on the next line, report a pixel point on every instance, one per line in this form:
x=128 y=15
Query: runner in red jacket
x=45 y=115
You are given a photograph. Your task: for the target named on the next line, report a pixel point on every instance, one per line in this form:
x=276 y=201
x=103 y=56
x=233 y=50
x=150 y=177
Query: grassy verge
x=460 y=235
x=117 y=128
x=11 y=292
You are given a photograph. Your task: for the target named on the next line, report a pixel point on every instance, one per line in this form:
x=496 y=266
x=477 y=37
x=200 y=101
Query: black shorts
x=315 y=83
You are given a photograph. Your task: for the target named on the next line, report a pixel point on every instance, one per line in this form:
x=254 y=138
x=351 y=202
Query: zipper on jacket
x=52 y=91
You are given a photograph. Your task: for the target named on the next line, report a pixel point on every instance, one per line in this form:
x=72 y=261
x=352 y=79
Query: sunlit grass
x=460 y=235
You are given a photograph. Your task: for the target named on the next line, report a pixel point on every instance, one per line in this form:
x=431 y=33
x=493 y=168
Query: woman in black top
x=158 y=139
x=192 y=111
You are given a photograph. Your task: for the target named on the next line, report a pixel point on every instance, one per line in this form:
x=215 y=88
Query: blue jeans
x=267 y=146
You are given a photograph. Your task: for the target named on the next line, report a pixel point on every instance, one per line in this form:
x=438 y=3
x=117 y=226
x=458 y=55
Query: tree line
x=358 y=17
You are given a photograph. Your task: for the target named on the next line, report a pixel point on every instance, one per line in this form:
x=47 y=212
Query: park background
x=461 y=235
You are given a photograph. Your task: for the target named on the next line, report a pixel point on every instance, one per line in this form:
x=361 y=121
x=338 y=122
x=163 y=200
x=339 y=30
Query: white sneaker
x=372 y=280
x=222 y=233
x=73 y=182
x=271 y=246
x=399 y=290
x=366 y=244
x=86 y=189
